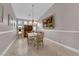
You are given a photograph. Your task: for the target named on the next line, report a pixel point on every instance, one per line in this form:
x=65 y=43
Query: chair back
x=40 y=36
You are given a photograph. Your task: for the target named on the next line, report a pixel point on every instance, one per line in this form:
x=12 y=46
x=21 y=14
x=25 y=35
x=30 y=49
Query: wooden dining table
x=32 y=34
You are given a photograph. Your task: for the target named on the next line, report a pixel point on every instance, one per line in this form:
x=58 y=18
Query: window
x=25 y=23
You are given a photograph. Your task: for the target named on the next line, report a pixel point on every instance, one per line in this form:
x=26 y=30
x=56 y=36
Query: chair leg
x=42 y=44
x=28 y=41
x=34 y=44
x=37 y=45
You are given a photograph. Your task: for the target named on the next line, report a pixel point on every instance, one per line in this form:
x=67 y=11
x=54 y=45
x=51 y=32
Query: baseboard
x=64 y=31
x=7 y=31
x=65 y=46
x=4 y=52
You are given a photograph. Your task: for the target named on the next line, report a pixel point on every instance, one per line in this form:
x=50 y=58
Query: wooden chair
x=28 y=38
x=39 y=39
x=31 y=37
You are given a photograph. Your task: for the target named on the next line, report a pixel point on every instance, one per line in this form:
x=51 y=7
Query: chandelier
x=33 y=20
x=32 y=12
x=34 y=23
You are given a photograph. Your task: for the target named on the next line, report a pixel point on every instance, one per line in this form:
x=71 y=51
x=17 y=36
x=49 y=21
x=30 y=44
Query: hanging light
x=33 y=21
x=32 y=11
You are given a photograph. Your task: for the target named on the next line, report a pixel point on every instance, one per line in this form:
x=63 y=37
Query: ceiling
x=26 y=11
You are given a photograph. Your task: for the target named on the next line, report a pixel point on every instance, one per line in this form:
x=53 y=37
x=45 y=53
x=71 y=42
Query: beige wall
x=66 y=19
x=66 y=15
x=6 y=37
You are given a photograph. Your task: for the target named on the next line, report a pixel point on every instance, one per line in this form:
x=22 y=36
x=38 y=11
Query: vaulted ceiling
x=26 y=11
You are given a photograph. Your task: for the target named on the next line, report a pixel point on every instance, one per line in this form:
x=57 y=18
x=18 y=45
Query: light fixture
x=35 y=22
x=25 y=22
x=20 y=27
x=32 y=12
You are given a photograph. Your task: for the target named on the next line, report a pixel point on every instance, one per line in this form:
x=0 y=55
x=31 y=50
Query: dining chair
x=39 y=39
x=31 y=37
x=28 y=38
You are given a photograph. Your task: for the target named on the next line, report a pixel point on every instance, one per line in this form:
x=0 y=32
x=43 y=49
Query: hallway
x=21 y=48
x=57 y=23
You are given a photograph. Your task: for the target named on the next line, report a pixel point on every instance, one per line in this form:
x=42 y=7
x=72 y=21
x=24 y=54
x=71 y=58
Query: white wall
x=7 y=35
x=66 y=16
x=66 y=19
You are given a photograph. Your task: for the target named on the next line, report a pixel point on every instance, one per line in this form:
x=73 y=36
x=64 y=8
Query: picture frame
x=49 y=22
x=1 y=12
x=10 y=19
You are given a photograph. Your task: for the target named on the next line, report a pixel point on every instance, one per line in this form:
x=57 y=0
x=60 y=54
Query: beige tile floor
x=21 y=48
